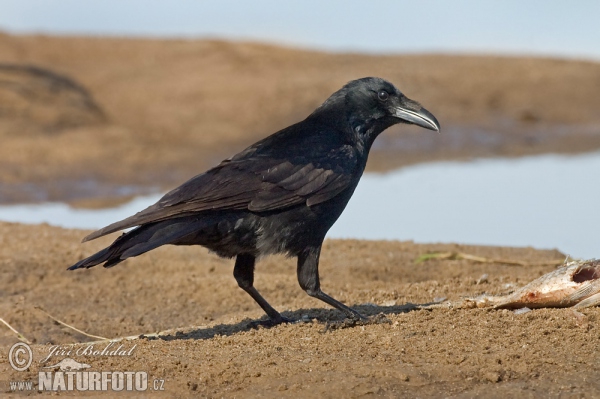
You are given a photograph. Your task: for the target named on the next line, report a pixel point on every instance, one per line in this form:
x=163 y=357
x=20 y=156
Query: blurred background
x=537 y=27
x=104 y=105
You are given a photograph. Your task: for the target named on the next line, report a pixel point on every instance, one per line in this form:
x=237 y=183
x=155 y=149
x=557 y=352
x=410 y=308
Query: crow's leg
x=308 y=277
x=243 y=272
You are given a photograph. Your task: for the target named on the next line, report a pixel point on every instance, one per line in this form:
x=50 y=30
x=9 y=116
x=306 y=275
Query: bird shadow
x=325 y=317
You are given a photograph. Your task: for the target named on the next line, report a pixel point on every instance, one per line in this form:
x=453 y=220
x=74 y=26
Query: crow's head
x=371 y=105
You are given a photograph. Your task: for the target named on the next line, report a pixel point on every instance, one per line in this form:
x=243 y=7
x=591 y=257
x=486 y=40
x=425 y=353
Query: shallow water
x=67 y=190
x=547 y=201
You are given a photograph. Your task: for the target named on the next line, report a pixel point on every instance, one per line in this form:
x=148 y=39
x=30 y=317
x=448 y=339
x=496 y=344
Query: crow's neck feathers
x=354 y=112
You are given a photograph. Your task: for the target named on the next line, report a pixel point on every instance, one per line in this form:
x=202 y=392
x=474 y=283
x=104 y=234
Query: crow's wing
x=256 y=181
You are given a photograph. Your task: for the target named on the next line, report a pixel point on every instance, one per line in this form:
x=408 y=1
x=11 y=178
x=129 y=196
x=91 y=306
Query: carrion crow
x=280 y=195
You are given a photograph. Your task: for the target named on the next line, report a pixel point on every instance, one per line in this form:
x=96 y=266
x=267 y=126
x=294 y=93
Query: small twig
x=69 y=326
x=19 y=335
x=151 y=335
x=480 y=259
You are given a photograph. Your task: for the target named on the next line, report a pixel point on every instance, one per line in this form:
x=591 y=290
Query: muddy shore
x=82 y=118
x=214 y=352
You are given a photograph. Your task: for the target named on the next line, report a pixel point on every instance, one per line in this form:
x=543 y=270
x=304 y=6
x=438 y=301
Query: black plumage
x=280 y=195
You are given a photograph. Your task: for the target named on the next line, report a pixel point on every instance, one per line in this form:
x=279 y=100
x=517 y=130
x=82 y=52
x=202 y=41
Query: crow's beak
x=415 y=114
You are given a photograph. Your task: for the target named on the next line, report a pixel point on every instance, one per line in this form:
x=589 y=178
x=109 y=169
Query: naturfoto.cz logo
x=70 y=375
x=93 y=380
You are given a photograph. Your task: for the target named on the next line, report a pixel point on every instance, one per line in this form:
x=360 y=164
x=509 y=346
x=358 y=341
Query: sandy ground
x=95 y=120
x=216 y=353
x=116 y=117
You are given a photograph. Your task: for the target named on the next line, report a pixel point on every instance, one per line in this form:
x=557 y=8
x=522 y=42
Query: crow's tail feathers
x=140 y=240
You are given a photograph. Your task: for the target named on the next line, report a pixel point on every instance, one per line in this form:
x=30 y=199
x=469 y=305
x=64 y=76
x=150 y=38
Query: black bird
x=280 y=195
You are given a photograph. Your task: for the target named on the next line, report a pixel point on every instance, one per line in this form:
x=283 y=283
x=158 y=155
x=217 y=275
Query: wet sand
x=140 y=115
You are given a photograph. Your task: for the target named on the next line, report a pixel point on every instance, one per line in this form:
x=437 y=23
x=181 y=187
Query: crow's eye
x=383 y=95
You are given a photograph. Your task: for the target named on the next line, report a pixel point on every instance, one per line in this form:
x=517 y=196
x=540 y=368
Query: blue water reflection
x=547 y=201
